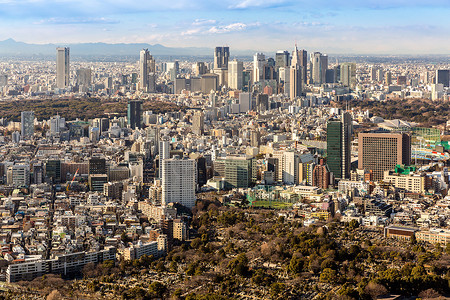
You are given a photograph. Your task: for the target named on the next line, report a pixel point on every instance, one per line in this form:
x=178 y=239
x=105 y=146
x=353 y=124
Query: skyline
x=341 y=27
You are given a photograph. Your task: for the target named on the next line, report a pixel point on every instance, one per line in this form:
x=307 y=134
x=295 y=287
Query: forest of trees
x=258 y=253
x=425 y=112
x=82 y=109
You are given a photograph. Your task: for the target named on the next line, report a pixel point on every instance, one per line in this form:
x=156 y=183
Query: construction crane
x=73 y=179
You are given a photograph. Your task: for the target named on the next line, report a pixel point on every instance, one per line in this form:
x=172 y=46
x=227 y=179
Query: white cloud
x=191 y=31
x=201 y=22
x=257 y=3
x=228 y=28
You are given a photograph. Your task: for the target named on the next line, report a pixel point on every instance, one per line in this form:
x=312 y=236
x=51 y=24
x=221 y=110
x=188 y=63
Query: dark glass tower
x=134 y=115
x=339 y=134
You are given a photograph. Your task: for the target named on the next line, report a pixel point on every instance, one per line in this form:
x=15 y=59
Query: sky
x=336 y=27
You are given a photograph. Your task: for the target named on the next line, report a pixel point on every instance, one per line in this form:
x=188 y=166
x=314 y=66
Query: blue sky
x=341 y=26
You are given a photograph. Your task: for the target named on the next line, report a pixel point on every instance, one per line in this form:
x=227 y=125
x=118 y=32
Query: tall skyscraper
x=259 y=60
x=262 y=102
x=443 y=77
x=62 y=67
x=199 y=68
x=388 y=78
x=319 y=67
x=84 y=77
x=379 y=152
x=339 y=134
x=300 y=57
x=198 y=123
x=147 y=68
x=282 y=59
x=348 y=74
x=235 y=74
x=178 y=181
x=134 y=114
x=164 y=149
x=221 y=57
x=295 y=81
x=26 y=124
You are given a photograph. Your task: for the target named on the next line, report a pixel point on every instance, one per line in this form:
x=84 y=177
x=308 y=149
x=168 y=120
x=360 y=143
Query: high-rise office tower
x=62 y=67
x=164 y=149
x=134 y=114
x=380 y=74
x=339 y=134
x=262 y=102
x=53 y=170
x=26 y=124
x=146 y=69
x=319 y=67
x=388 y=78
x=245 y=102
x=57 y=124
x=235 y=74
x=238 y=171
x=373 y=73
x=443 y=77
x=84 y=77
x=282 y=59
x=348 y=74
x=379 y=152
x=178 y=181
x=173 y=68
x=221 y=57
x=198 y=123
x=330 y=76
x=259 y=60
x=295 y=81
x=300 y=57
x=255 y=138
x=97 y=165
x=199 y=68
x=213 y=99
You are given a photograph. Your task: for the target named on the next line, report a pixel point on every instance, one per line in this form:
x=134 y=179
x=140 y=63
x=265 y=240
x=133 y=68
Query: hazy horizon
x=340 y=27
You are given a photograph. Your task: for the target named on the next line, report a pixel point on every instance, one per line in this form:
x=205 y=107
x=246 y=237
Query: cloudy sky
x=339 y=26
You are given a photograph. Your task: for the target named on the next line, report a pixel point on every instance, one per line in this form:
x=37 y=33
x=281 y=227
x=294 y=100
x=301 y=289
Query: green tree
x=328 y=275
x=277 y=290
x=157 y=289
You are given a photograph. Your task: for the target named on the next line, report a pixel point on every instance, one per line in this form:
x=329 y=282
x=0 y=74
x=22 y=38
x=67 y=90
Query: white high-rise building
x=295 y=81
x=259 y=60
x=56 y=123
x=288 y=166
x=179 y=181
x=62 y=67
x=235 y=74
x=164 y=153
x=26 y=124
x=213 y=99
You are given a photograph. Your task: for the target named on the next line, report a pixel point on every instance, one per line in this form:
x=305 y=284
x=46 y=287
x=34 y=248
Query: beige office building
x=380 y=152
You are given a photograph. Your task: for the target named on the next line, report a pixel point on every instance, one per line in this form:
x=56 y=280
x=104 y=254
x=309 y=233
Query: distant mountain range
x=11 y=47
